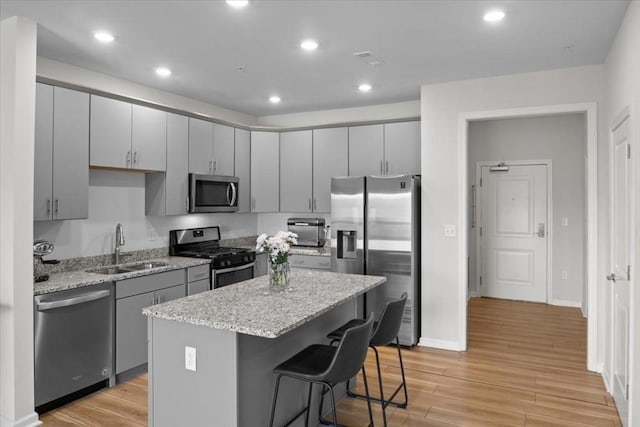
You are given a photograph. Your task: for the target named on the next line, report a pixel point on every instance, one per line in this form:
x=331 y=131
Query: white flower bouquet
x=278 y=247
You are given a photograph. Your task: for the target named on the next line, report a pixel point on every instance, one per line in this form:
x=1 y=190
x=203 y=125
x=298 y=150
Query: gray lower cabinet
x=198 y=279
x=313 y=262
x=132 y=295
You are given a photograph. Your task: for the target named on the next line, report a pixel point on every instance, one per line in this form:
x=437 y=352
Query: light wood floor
x=525 y=366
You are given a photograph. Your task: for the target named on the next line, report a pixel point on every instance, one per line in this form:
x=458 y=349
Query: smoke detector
x=368 y=58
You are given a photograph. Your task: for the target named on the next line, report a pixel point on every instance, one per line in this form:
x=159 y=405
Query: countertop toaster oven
x=310 y=231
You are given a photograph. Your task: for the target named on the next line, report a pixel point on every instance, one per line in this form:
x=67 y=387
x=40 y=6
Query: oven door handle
x=232 y=269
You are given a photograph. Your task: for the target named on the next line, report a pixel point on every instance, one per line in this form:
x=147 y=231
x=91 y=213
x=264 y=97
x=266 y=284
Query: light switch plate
x=190 y=358
x=449 y=230
x=565 y=221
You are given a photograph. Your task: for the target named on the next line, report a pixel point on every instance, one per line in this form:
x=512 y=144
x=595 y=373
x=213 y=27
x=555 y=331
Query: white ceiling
x=420 y=42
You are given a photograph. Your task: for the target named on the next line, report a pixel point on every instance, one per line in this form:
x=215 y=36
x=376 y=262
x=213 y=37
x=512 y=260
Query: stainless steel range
x=228 y=265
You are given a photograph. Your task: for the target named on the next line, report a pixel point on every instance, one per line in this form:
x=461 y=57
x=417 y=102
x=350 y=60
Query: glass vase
x=279 y=277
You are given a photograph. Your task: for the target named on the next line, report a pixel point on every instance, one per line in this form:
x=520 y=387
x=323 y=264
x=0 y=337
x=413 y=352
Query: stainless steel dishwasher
x=73 y=341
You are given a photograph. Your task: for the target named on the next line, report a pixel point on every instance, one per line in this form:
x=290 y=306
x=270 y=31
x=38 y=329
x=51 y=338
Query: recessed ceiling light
x=494 y=16
x=103 y=37
x=275 y=99
x=163 y=71
x=364 y=87
x=238 y=4
x=309 y=45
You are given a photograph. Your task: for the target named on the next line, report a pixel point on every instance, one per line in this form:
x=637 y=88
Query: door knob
x=541 y=232
x=612 y=277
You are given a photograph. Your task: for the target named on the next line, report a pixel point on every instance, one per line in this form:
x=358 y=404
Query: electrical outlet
x=565 y=221
x=449 y=230
x=565 y=275
x=190 y=358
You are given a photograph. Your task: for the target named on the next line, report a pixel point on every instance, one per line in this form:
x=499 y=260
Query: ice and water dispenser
x=347 y=244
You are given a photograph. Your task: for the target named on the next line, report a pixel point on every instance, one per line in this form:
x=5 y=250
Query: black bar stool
x=327 y=365
x=385 y=331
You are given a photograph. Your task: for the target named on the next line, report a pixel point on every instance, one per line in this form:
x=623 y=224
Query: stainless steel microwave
x=212 y=193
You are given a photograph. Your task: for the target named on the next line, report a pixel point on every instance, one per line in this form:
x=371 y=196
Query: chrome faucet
x=119 y=243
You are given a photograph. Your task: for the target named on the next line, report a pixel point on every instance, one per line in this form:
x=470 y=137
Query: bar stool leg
x=275 y=399
x=333 y=407
x=382 y=401
x=366 y=390
x=306 y=420
x=404 y=382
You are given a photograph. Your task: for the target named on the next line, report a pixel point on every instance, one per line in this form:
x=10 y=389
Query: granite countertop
x=249 y=308
x=62 y=281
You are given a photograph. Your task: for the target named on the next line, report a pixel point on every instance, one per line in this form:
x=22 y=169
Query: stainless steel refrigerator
x=375 y=229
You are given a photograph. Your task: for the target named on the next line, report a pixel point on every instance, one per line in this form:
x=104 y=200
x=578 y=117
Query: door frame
x=589 y=109
x=549 y=223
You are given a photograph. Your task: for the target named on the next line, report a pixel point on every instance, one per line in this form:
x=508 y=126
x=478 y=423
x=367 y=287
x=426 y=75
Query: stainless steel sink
x=146 y=265
x=109 y=270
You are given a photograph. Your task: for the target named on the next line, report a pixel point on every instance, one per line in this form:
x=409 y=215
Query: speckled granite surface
x=250 y=242
x=76 y=279
x=249 y=308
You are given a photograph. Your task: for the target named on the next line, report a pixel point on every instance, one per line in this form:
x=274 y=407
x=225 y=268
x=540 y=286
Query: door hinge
x=628 y=272
x=480 y=280
x=628 y=151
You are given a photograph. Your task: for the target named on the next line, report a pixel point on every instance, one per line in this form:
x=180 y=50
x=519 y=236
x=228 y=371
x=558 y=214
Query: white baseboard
x=30 y=420
x=566 y=303
x=584 y=313
x=441 y=344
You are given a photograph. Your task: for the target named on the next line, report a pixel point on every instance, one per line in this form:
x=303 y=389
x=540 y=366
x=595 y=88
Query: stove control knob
x=245 y=258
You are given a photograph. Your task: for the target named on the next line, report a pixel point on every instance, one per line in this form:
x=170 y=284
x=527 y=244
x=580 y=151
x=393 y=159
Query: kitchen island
x=240 y=333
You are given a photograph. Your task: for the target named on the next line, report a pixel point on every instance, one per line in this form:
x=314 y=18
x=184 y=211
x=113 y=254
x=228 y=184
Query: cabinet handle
x=48 y=207
x=210 y=166
x=56 y=207
x=314 y=204
x=215 y=163
x=186 y=206
x=381 y=168
x=128 y=158
x=135 y=157
x=253 y=203
x=309 y=204
x=386 y=171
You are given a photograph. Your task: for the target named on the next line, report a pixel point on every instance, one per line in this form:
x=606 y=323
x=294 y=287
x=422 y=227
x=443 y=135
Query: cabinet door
x=131 y=331
x=330 y=159
x=43 y=155
x=261 y=264
x=243 y=168
x=149 y=139
x=200 y=146
x=402 y=148
x=366 y=150
x=169 y=294
x=296 y=171
x=265 y=165
x=223 y=148
x=198 y=287
x=70 y=154
x=110 y=133
x=177 y=176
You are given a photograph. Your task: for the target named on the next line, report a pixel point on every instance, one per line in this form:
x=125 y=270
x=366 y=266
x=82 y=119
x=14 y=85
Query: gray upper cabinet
x=330 y=158
x=296 y=187
x=61 y=179
x=366 y=150
x=243 y=168
x=149 y=139
x=402 y=148
x=127 y=136
x=200 y=146
x=223 y=150
x=265 y=161
x=110 y=133
x=166 y=194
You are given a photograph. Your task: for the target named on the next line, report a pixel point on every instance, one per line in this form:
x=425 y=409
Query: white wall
x=119 y=197
x=562 y=140
x=622 y=73
x=51 y=69
x=17 y=113
x=441 y=106
x=398 y=110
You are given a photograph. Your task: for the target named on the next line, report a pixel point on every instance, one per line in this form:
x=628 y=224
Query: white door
x=513 y=233
x=620 y=264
